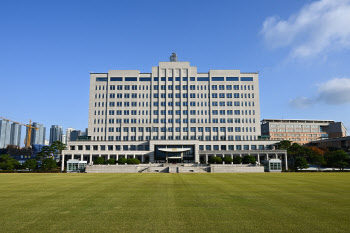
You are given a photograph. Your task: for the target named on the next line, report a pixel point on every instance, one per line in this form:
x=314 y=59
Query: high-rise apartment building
x=56 y=132
x=16 y=131
x=302 y=131
x=5 y=133
x=38 y=136
x=173 y=114
x=68 y=133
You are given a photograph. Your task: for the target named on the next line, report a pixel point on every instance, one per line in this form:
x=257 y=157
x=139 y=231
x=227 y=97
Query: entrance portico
x=174 y=155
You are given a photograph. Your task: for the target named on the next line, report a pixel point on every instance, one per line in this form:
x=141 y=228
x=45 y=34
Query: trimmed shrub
x=228 y=159
x=215 y=159
x=248 y=159
x=111 y=161
x=237 y=160
x=99 y=160
x=122 y=160
x=133 y=161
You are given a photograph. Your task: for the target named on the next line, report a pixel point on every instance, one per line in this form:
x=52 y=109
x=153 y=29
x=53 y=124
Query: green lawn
x=285 y=202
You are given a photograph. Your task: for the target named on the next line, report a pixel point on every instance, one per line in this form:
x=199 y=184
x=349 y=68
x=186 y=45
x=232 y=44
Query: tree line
x=301 y=156
x=43 y=161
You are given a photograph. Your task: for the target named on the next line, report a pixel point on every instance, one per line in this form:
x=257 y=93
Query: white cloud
x=317 y=28
x=300 y=102
x=333 y=92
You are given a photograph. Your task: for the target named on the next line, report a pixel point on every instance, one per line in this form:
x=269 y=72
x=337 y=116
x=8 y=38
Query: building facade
x=5 y=133
x=56 y=132
x=174 y=102
x=10 y=134
x=16 y=131
x=302 y=131
x=173 y=114
x=37 y=136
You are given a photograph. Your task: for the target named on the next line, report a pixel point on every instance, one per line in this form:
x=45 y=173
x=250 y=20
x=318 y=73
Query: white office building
x=173 y=114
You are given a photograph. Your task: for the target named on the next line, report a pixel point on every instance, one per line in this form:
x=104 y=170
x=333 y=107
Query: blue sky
x=48 y=48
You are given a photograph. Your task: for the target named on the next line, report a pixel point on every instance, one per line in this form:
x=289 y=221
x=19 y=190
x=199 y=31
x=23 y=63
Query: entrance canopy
x=174 y=149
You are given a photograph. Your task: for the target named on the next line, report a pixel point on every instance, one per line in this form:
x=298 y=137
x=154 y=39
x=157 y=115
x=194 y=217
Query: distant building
x=301 y=131
x=15 y=137
x=55 y=133
x=5 y=133
x=335 y=143
x=64 y=139
x=75 y=134
x=68 y=133
x=38 y=136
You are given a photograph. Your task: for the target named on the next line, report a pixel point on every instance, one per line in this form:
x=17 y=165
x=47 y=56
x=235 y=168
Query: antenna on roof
x=173 y=57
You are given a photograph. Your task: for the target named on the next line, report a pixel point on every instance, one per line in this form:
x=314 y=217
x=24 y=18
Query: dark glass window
x=232 y=79
x=217 y=79
x=130 y=78
x=246 y=78
x=116 y=79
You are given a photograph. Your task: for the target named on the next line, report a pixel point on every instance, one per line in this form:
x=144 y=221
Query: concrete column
x=206 y=158
x=240 y=155
x=99 y=155
x=142 y=158
x=62 y=165
x=133 y=155
x=259 y=159
x=108 y=156
x=276 y=156
x=72 y=156
x=267 y=156
x=90 y=158
x=117 y=157
x=285 y=157
x=81 y=157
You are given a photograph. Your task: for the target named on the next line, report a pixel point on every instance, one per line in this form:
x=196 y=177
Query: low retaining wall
x=162 y=168
x=235 y=168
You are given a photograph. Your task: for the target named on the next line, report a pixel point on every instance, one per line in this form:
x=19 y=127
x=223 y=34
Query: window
x=130 y=78
x=217 y=79
x=246 y=78
x=203 y=79
x=113 y=79
x=231 y=78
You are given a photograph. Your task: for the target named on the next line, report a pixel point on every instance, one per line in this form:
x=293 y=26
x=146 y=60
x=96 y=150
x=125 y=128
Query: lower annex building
x=173 y=115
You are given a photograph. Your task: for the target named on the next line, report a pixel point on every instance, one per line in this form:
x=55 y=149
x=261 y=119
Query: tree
x=110 y=161
x=228 y=159
x=133 y=161
x=317 y=160
x=8 y=163
x=99 y=160
x=31 y=164
x=122 y=160
x=284 y=145
x=46 y=151
x=48 y=164
x=248 y=159
x=337 y=159
x=58 y=147
x=300 y=163
x=237 y=160
x=215 y=159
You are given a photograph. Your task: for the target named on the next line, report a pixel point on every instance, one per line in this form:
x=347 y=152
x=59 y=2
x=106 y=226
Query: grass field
x=286 y=202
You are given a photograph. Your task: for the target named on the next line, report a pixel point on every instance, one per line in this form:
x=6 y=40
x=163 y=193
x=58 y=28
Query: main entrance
x=174 y=153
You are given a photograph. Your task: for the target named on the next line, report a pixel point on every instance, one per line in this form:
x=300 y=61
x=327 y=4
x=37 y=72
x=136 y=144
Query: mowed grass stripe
x=285 y=202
